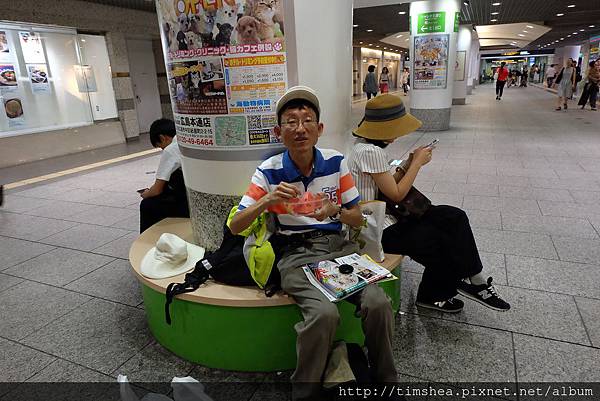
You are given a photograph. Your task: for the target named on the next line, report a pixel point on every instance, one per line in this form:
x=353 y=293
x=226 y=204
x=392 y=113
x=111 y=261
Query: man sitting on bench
x=304 y=239
x=167 y=197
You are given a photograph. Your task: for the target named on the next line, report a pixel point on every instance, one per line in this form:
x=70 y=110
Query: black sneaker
x=452 y=305
x=485 y=294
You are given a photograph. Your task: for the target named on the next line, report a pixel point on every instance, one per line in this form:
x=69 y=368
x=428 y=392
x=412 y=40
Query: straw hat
x=386 y=118
x=171 y=256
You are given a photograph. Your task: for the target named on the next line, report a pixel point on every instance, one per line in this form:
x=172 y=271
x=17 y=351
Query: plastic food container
x=306 y=205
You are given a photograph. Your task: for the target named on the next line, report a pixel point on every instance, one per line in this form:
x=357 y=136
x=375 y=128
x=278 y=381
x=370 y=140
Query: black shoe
x=485 y=294
x=1 y=194
x=452 y=305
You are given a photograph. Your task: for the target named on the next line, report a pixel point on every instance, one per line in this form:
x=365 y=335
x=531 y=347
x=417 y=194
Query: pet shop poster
x=431 y=62
x=226 y=66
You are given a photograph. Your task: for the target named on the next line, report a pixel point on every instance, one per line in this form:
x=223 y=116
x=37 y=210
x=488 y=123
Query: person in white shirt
x=550 y=75
x=167 y=197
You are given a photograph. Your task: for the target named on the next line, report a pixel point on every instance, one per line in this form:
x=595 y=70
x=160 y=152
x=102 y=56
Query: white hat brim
x=156 y=269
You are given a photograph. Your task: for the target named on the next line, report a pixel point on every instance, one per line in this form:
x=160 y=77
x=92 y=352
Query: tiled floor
x=528 y=177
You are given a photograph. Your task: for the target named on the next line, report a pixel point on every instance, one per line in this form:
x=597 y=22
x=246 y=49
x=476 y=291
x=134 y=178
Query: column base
x=469 y=90
x=208 y=213
x=433 y=119
x=459 y=101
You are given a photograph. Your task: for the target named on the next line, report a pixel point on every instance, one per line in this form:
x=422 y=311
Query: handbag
x=414 y=204
x=368 y=236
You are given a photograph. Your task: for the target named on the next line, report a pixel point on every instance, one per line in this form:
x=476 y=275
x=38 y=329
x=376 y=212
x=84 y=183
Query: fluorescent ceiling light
x=493 y=20
x=398 y=36
x=402 y=12
x=559 y=14
x=571 y=5
x=582 y=30
x=521 y=35
x=495 y=13
x=369 y=30
x=525 y=31
x=355 y=25
x=592 y=26
x=529 y=26
x=496 y=4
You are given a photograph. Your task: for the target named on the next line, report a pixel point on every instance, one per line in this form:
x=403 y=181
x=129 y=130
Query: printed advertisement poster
x=8 y=78
x=4 y=49
x=226 y=68
x=195 y=87
x=431 y=62
x=255 y=83
x=31 y=46
x=459 y=66
x=38 y=76
x=14 y=112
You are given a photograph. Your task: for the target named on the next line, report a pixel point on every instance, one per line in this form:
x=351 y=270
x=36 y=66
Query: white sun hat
x=171 y=256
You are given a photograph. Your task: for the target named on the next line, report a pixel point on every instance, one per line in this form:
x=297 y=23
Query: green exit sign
x=431 y=22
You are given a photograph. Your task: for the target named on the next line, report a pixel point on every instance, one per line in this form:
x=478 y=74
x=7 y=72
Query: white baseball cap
x=171 y=256
x=298 y=92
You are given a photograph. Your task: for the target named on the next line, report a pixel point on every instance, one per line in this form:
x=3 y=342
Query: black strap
x=192 y=281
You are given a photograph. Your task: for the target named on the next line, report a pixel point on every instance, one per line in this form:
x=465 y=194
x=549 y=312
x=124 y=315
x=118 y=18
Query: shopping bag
x=368 y=236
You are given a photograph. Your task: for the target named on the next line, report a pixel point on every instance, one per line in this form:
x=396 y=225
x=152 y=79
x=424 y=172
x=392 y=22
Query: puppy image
x=181 y=41
x=184 y=22
x=267 y=12
x=170 y=36
x=224 y=36
x=195 y=78
x=193 y=41
x=247 y=31
x=226 y=15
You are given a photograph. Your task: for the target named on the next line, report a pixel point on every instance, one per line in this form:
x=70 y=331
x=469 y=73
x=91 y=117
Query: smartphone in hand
x=432 y=143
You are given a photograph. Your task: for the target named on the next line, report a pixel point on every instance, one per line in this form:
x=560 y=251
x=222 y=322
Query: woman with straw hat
x=441 y=239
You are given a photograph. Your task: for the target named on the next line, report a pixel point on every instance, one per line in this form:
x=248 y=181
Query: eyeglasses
x=293 y=125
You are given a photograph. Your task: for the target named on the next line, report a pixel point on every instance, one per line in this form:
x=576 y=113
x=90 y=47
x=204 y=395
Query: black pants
x=442 y=241
x=405 y=88
x=369 y=94
x=171 y=203
x=500 y=88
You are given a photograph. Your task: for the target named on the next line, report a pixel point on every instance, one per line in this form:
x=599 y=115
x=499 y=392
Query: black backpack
x=226 y=265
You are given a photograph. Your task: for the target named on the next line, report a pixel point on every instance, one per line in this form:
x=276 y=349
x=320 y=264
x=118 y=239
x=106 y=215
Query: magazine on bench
x=344 y=276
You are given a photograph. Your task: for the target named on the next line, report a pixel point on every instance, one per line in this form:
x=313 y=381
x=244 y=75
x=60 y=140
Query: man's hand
x=283 y=192
x=327 y=210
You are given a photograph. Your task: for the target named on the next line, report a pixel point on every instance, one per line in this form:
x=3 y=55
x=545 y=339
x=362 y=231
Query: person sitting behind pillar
x=167 y=197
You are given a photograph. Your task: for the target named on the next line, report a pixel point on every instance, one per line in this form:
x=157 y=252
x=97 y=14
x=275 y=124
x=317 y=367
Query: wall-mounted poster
x=431 y=62
x=226 y=69
x=8 y=78
x=459 y=66
x=86 y=80
x=4 y=49
x=31 y=46
x=38 y=76
x=14 y=112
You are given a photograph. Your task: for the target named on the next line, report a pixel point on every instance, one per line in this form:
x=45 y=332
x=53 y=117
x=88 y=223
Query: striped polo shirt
x=329 y=175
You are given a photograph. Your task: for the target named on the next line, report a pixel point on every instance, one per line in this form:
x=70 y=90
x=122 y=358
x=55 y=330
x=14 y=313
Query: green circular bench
x=233 y=328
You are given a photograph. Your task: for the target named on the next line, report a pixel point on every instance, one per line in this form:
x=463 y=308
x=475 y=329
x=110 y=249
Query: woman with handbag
x=438 y=237
x=565 y=84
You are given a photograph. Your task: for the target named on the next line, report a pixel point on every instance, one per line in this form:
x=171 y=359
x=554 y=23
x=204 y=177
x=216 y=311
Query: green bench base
x=254 y=339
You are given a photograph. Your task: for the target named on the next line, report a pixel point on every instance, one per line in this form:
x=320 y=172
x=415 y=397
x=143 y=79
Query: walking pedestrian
x=370 y=84
x=590 y=91
x=405 y=77
x=384 y=80
x=565 y=81
x=550 y=75
x=501 y=81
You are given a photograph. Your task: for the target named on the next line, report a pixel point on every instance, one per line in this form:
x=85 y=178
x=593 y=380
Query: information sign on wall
x=431 y=22
x=226 y=67
x=456 y=20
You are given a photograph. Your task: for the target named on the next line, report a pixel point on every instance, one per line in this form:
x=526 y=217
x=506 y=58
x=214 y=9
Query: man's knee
x=326 y=315
x=375 y=300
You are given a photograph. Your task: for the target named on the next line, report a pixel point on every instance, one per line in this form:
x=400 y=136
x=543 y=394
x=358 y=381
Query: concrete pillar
x=570 y=52
x=121 y=80
x=161 y=78
x=461 y=75
x=473 y=63
x=318 y=52
x=433 y=56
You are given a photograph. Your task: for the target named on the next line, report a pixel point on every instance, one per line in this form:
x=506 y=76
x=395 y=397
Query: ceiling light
x=377 y=46
x=559 y=14
x=575 y=33
x=402 y=12
x=568 y=36
x=360 y=42
x=369 y=30
x=529 y=26
x=398 y=36
x=521 y=35
x=493 y=20
x=370 y=44
x=496 y=4
x=592 y=26
x=562 y=38
x=571 y=6
x=355 y=25
x=525 y=31
x=581 y=30
x=495 y=13
x=466 y=2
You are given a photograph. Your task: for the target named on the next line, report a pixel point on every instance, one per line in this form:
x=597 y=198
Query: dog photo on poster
x=431 y=62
